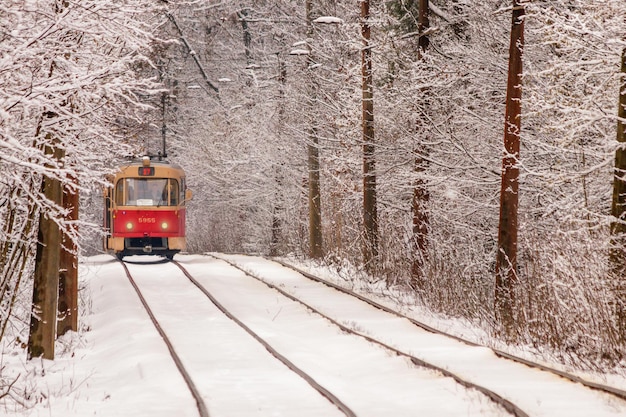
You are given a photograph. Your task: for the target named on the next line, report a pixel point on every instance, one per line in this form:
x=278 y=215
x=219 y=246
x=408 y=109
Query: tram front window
x=150 y=192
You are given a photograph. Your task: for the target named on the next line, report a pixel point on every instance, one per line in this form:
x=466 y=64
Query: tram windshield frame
x=152 y=191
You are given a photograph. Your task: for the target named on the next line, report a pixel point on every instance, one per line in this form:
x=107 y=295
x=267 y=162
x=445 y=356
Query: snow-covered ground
x=119 y=366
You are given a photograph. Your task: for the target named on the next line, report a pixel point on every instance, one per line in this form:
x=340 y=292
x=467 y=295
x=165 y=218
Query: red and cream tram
x=144 y=211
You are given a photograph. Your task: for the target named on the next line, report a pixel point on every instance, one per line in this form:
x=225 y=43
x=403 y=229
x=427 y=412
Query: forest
x=382 y=138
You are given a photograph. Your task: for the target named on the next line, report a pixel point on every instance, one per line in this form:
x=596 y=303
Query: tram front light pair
x=130 y=226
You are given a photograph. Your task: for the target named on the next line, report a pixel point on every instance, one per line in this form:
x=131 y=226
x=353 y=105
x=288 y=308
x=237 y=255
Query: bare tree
x=421 y=195
x=68 y=262
x=506 y=258
x=43 y=320
x=370 y=209
x=313 y=152
x=58 y=89
x=618 y=206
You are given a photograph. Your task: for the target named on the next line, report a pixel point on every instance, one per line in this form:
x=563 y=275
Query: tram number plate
x=146 y=171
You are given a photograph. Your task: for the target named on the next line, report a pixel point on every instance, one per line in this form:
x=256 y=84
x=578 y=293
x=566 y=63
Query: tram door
x=107 y=217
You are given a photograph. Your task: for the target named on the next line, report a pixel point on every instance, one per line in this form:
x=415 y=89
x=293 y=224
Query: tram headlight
x=129 y=226
x=164 y=225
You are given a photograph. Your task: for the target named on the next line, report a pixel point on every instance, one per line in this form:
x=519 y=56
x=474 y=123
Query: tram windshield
x=147 y=192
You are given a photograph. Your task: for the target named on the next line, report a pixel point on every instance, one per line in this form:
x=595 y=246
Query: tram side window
x=172 y=188
x=131 y=192
x=119 y=193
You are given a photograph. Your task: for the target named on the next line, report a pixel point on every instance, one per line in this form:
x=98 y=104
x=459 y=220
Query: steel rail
x=509 y=406
x=202 y=408
x=563 y=374
x=319 y=388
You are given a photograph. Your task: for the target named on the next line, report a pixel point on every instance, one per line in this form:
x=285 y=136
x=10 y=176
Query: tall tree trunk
x=618 y=207
x=421 y=195
x=46 y=280
x=315 y=199
x=370 y=215
x=43 y=317
x=506 y=258
x=315 y=204
x=278 y=195
x=68 y=268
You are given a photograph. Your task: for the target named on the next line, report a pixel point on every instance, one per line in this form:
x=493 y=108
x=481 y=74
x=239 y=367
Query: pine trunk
x=506 y=258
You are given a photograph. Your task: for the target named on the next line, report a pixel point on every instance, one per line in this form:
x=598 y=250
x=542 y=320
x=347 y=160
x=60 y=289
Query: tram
x=144 y=209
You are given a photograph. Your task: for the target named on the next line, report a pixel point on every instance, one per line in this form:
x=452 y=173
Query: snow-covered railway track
x=619 y=393
x=507 y=405
x=168 y=312
x=535 y=388
x=372 y=378
x=200 y=403
x=323 y=391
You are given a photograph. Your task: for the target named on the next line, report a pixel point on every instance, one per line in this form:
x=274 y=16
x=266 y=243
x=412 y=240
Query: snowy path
x=122 y=366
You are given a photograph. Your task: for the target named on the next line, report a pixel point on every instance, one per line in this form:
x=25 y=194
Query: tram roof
x=157 y=163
